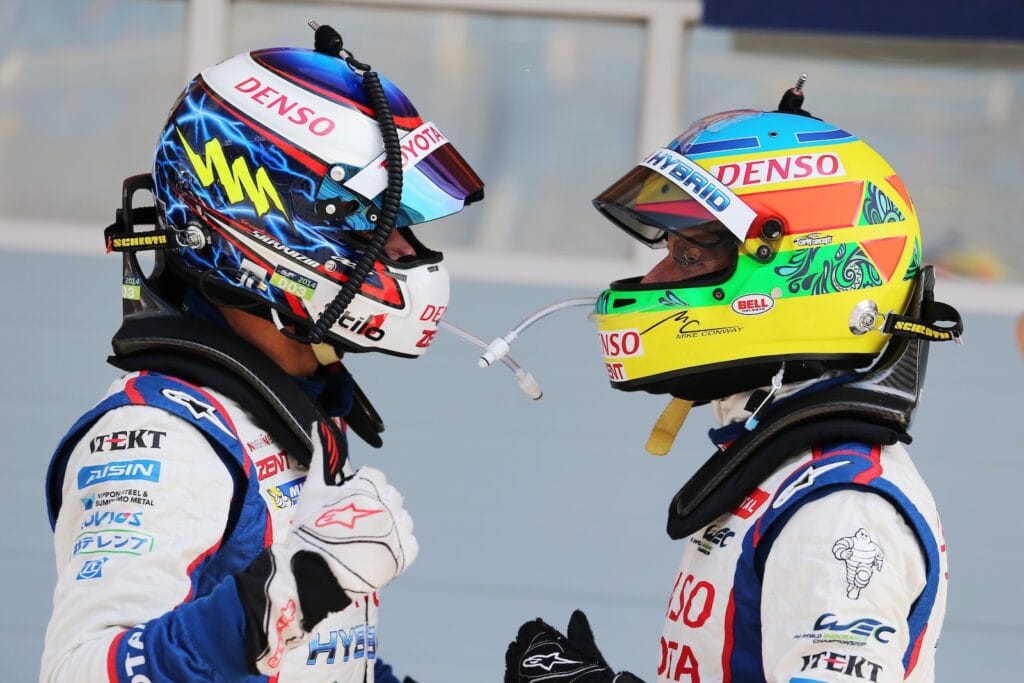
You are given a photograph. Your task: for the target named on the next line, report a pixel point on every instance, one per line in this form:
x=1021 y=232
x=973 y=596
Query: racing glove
x=541 y=653
x=345 y=542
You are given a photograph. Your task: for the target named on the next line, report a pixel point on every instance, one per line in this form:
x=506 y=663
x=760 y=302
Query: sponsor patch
x=124 y=496
x=119 y=470
x=854 y=666
x=91 y=569
x=110 y=518
x=751 y=503
x=112 y=541
x=712 y=537
x=355 y=643
x=287 y=494
x=862 y=557
x=127 y=440
x=272 y=464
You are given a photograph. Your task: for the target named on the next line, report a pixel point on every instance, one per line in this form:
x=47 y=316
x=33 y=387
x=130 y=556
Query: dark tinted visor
x=668 y=192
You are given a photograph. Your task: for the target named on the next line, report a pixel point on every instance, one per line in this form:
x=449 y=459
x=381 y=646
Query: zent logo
x=753 y=304
x=271 y=465
x=615 y=371
x=621 y=343
x=119 y=470
x=236 y=180
x=428 y=336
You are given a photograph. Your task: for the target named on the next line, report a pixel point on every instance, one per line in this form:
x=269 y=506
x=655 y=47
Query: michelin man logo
x=862 y=557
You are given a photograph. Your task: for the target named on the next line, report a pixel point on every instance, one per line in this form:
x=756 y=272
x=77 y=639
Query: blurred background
x=533 y=508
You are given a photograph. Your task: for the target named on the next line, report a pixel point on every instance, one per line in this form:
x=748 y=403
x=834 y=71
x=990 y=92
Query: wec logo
x=863 y=628
x=119 y=470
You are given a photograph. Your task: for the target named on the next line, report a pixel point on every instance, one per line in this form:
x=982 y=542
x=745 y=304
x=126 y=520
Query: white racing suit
x=158 y=496
x=832 y=569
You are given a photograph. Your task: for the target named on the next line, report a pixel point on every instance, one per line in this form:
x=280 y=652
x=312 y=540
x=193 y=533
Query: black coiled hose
x=328 y=39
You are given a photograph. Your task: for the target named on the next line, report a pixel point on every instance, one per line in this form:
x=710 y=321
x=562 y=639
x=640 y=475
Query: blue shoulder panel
x=248 y=520
x=843 y=466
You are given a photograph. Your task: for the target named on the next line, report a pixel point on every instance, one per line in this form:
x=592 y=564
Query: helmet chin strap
x=325 y=353
x=665 y=429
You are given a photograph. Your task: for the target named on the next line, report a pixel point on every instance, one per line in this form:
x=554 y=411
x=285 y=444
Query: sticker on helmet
x=615 y=372
x=779 y=169
x=815 y=239
x=416 y=146
x=621 y=343
x=753 y=304
x=131 y=288
x=293 y=283
x=703 y=187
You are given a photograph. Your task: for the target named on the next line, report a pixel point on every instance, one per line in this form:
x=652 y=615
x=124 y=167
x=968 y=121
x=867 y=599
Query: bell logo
x=236 y=179
x=753 y=304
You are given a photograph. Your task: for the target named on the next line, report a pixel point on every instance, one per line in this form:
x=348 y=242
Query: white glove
x=358 y=532
x=360 y=528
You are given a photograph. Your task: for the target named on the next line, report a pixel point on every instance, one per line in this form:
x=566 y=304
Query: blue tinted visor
x=436 y=180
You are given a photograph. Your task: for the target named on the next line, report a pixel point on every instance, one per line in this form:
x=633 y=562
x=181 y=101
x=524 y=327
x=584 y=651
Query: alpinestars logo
x=345 y=516
x=547 y=662
x=198 y=409
x=805 y=480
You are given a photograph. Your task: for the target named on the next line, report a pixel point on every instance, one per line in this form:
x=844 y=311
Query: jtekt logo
x=125 y=440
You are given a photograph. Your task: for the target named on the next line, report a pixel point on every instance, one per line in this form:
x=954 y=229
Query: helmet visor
x=669 y=192
x=436 y=181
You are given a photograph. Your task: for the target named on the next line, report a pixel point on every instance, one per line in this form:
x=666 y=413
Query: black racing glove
x=541 y=653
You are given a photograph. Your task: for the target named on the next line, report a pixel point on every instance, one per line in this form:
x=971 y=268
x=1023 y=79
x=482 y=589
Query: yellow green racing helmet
x=785 y=236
